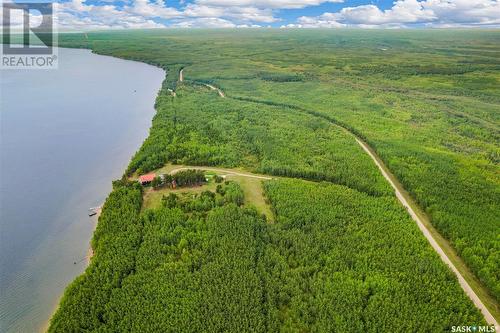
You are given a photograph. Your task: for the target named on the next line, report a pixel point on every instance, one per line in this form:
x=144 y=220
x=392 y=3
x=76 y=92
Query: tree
x=157 y=183
x=170 y=201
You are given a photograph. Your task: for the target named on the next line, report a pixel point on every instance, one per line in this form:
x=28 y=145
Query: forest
x=207 y=263
x=342 y=255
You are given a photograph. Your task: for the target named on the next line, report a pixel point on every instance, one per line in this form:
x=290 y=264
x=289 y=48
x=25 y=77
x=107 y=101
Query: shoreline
x=95 y=219
x=90 y=250
x=88 y=257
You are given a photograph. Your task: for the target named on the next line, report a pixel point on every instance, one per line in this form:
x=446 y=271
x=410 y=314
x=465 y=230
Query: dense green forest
x=353 y=262
x=341 y=255
x=337 y=260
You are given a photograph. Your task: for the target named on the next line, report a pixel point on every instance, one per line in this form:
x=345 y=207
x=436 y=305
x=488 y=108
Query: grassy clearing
x=152 y=198
x=254 y=194
x=252 y=188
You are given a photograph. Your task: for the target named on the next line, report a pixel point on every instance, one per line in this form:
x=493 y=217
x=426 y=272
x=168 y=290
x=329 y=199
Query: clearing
x=251 y=184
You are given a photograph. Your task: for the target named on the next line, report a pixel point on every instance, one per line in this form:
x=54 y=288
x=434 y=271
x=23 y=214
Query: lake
x=65 y=135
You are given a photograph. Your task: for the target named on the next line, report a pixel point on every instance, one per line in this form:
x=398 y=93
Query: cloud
x=204 y=22
x=438 y=13
x=270 y=4
x=245 y=14
x=81 y=15
x=326 y=20
x=118 y=14
x=76 y=15
x=148 y=9
x=467 y=12
x=403 y=11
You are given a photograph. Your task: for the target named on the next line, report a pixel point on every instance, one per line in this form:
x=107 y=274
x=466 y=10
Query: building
x=147 y=179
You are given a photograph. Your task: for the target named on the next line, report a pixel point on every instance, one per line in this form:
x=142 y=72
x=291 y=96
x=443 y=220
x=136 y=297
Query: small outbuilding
x=147 y=179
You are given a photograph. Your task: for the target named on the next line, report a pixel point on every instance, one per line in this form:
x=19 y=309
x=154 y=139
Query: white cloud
x=248 y=14
x=251 y=14
x=273 y=4
x=81 y=15
x=438 y=13
x=248 y=26
x=194 y=10
x=204 y=22
x=210 y=22
x=403 y=11
x=152 y=9
x=326 y=20
x=76 y=15
x=472 y=12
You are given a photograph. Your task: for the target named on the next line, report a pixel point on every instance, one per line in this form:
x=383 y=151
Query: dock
x=93 y=211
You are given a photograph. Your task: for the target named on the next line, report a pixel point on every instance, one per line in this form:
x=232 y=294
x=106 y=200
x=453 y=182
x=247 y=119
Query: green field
x=341 y=253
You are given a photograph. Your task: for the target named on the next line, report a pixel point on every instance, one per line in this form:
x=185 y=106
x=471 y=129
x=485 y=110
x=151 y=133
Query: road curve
x=226 y=171
x=444 y=257
x=220 y=92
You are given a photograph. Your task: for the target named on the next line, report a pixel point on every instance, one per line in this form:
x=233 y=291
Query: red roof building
x=146 y=179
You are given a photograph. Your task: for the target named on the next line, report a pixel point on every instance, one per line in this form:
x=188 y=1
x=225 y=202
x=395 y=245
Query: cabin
x=147 y=179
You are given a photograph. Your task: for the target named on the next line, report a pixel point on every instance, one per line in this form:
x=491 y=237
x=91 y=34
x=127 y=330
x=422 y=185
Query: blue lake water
x=65 y=135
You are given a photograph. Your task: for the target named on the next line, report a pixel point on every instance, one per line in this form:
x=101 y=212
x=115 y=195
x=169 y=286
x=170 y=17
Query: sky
x=122 y=14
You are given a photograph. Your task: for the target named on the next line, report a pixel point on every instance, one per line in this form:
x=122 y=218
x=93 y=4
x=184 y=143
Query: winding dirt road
x=226 y=171
x=220 y=92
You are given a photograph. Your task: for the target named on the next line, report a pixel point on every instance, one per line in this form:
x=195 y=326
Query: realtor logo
x=28 y=38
